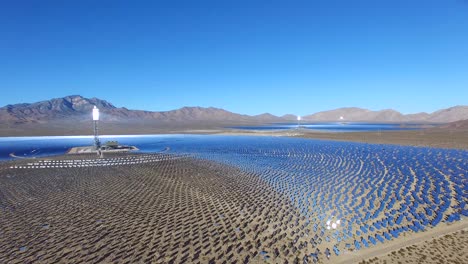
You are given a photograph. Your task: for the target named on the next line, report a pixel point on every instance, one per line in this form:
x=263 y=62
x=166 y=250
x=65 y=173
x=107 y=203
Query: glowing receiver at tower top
x=95 y=113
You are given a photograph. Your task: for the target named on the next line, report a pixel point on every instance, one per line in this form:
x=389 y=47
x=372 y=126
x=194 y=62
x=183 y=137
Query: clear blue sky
x=248 y=57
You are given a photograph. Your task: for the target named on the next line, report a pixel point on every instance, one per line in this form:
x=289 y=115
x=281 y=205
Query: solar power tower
x=97 y=143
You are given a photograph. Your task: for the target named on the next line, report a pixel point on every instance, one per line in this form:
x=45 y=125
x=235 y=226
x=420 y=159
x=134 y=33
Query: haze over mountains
x=78 y=109
x=389 y=115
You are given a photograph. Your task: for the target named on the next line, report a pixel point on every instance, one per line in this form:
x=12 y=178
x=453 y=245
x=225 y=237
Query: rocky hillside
x=74 y=106
x=351 y=114
x=451 y=114
x=458 y=125
x=77 y=109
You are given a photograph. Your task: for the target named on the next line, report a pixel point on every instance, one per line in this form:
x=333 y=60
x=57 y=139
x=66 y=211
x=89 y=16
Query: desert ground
x=436 y=138
x=166 y=211
x=161 y=208
x=455 y=138
x=448 y=248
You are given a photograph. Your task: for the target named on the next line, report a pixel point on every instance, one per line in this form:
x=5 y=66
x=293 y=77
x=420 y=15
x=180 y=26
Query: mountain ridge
x=78 y=108
x=355 y=114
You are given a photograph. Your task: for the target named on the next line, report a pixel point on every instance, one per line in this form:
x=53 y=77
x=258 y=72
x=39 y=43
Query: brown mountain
x=267 y=117
x=451 y=114
x=457 y=125
x=78 y=109
x=74 y=106
x=354 y=114
x=418 y=116
x=289 y=117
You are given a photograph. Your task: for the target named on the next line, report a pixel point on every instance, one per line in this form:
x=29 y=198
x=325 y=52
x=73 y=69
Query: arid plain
x=164 y=208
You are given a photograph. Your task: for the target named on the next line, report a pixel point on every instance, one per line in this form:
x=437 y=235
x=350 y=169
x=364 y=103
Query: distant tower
x=97 y=143
x=298 y=121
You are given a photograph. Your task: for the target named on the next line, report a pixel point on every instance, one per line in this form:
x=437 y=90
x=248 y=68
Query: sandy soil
x=448 y=248
x=438 y=138
x=428 y=138
x=421 y=240
x=172 y=211
x=432 y=137
x=169 y=210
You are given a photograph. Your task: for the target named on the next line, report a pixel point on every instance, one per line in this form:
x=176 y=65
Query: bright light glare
x=95 y=113
x=298 y=118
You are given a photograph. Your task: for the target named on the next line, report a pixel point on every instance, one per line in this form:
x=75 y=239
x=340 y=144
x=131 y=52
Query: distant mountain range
x=354 y=114
x=461 y=124
x=77 y=109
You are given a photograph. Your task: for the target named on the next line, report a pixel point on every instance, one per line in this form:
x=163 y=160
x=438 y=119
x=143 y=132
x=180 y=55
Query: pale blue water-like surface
x=334 y=126
x=376 y=191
